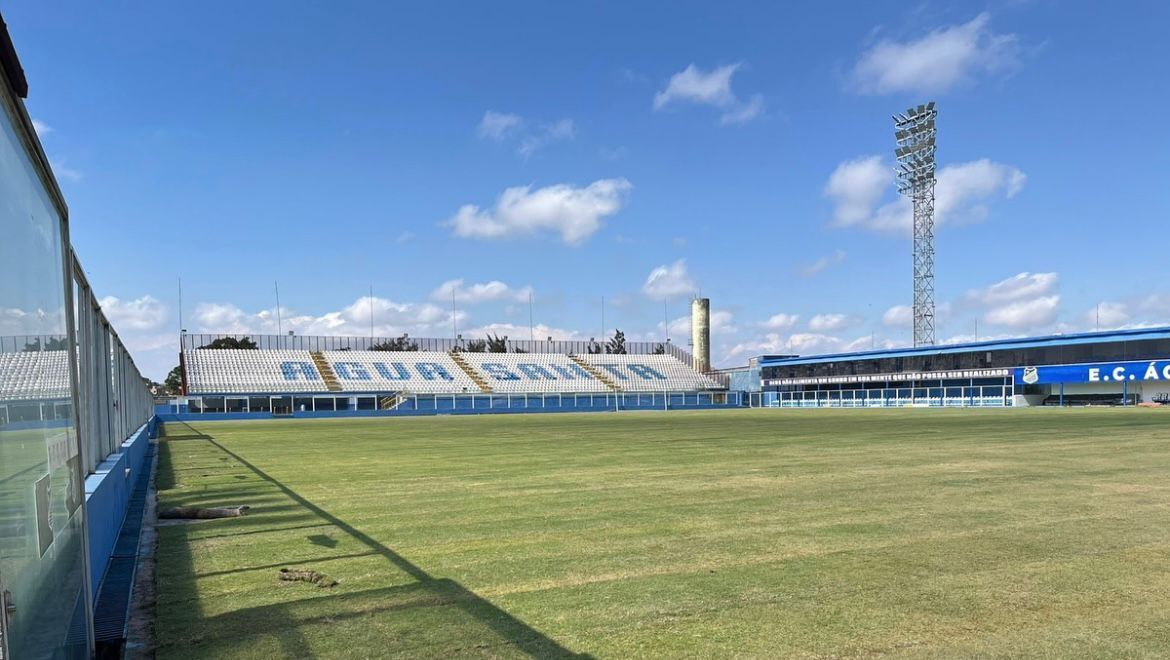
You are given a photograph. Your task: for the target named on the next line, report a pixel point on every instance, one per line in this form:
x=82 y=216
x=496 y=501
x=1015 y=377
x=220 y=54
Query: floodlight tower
x=915 y=132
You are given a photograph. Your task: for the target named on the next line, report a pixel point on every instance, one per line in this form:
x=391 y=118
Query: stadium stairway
x=326 y=371
x=596 y=373
x=471 y=372
x=391 y=402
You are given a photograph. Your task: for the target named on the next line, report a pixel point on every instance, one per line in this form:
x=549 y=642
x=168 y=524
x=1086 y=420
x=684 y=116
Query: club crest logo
x=1031 y=375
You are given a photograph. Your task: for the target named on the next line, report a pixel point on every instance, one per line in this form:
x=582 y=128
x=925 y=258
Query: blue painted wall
x=479 y=405
x=107 y=493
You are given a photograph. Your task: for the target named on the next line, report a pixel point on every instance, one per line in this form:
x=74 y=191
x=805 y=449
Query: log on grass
x=200 y=513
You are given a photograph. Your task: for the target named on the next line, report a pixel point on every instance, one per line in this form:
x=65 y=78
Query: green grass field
x=925 y=533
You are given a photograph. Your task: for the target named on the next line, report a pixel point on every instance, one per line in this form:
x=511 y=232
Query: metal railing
x=189 y=341
x=28 y=343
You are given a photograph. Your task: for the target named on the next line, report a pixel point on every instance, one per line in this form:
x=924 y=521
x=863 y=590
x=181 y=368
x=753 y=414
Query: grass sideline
x=765 y=533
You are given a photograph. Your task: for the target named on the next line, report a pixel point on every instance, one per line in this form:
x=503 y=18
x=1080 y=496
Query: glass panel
x=41 y=491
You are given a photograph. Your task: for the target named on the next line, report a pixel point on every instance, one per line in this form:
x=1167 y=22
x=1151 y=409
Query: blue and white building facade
x=1122 y=367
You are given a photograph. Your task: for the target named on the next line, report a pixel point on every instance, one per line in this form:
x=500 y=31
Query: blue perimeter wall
x=107 y=495
x=461 y=406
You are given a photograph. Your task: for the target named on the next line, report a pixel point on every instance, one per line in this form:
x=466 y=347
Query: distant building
x=1119 y=367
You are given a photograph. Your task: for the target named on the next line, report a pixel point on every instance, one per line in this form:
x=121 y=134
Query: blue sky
x=636 y=152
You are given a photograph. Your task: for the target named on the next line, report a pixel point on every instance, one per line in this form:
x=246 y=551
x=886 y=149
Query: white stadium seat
x=34 y=375
x=533 y=373
x=227 y=371
x=232 y=371
x=420 y=372
x=650 y=373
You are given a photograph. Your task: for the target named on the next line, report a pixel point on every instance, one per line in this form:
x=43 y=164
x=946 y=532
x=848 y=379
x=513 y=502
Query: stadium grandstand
x=347 y=377
x=1123 y=367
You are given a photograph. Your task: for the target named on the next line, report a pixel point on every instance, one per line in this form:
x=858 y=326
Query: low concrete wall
x=107 y=494
x=210 y=417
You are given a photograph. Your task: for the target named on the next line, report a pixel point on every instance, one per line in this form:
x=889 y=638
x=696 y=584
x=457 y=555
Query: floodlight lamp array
x=915 y=135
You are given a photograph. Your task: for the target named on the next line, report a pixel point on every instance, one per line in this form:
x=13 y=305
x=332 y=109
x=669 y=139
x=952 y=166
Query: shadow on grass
x=428 y=598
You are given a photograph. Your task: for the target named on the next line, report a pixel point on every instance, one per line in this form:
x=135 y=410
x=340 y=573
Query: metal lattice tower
x=915 y=133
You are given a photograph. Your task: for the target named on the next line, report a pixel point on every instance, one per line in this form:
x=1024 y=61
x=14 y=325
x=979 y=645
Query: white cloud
x=225 y=318
x=1017 y=287
x=671 y=281
x=722 y=325
x=856 y=186
x=15 y=321
x=405 y=237
x=155 y=353
x=478 y=293
x=900 y=316
x=530 y=138
x=140 y=325
x=824 y=262
x=145 y=313
x=780 y=321
x=60 y=169
x=1025 y=300
x=867 y=343
x=772 y=343
x=1029 y=313
x=969 y=338
x=829 y=322
x=680 y=328
x=744 y=112
x=64 y=172
x=523 y=332
x=936 y=62
x=1157 y=303
x=499 y=125
x=693 y=85
x=558 y=131
x=814 y=343
x=963 y=190
x=696 y=86
x=575 y=213
x=1108 y=315
x=962 y=193
x=390 y=319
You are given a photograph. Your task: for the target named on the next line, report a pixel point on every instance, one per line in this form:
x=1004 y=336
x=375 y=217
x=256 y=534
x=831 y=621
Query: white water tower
x=701 y=334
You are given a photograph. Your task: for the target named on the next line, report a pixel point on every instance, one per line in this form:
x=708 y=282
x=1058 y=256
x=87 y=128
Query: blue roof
x=994 y=345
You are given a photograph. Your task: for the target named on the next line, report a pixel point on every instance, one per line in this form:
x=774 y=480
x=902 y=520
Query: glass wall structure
x=42 y=527
x=69 y=397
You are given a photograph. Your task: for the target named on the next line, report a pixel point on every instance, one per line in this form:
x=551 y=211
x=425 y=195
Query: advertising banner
x=1104 y=372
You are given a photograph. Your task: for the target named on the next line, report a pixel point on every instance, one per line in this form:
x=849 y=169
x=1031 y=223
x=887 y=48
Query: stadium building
x=339 y=376
x=1120 y=367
